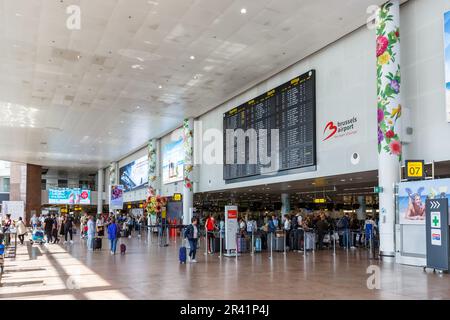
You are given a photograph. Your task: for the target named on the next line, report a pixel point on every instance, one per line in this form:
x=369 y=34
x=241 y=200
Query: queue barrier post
x=206 y=241
x=284 y=240
x=253 y=247
x=220 y=244
x=237 y=245
x=271 y=245
x=334 y=242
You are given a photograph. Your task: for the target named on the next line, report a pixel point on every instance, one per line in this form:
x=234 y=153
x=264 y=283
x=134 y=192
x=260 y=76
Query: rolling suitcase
x=97 y=244
x=309 y=242
x=258 y=245
x=242 y=245
x=182 y=254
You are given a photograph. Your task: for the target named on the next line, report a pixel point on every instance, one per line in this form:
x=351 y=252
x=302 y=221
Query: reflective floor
x=148 y=271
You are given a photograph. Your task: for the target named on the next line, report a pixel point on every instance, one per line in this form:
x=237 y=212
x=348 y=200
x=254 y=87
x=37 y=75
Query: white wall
x=423 y=72
x=346 y=88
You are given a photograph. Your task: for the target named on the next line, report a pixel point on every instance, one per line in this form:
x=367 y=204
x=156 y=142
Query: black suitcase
x=97 y=243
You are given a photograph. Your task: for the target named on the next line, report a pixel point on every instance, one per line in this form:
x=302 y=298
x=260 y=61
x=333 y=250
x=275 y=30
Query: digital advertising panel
x=116 y=198
x=412 y=198
x=135 y=174
x=69 y=196
x=173 y=161
x=447 y=61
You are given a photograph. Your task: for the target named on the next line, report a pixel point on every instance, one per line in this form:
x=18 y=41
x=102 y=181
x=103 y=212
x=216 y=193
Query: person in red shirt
x=210 y=225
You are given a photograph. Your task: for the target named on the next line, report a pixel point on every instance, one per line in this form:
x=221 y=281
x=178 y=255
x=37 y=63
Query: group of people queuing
x=353 y=232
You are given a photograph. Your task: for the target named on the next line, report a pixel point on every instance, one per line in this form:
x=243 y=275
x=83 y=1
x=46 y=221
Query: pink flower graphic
x=380 y=115
x=382 y=44
x=396 y=148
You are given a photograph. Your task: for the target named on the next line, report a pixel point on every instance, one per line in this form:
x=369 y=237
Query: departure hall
x=225 y=150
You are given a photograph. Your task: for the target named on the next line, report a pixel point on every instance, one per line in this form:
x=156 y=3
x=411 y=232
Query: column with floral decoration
x=389 y=110
x=112 y=180
x=188 y=187
x=150 y=205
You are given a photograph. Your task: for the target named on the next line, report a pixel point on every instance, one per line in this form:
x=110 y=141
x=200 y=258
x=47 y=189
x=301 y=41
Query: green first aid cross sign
x=436 y=220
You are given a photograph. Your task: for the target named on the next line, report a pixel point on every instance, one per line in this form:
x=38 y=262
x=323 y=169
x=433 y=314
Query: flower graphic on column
x=388 y=83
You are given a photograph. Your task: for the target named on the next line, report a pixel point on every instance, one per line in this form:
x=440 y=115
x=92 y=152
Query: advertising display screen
x=412 y=197
x=447 y=60
x=173 y=161
x=116 y=199
x=135 y=174
x=289 y=111
x=69 y=196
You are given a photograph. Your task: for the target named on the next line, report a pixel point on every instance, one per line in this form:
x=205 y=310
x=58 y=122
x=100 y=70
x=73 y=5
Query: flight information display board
x=290 y=108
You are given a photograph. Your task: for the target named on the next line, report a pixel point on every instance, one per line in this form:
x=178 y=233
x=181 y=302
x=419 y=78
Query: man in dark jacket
x=322 y=229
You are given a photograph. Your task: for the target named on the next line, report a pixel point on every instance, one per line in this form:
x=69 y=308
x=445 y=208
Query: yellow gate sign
x=415 y=169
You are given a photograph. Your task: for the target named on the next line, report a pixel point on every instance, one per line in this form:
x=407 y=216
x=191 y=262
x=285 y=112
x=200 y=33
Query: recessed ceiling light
x=160 y=87
x=138 y=107
x=18 y=15
x=121 y=121
x=192 y=57
x=243 y=11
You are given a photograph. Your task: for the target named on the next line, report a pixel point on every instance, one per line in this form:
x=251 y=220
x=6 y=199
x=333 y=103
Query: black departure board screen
x=285 y=115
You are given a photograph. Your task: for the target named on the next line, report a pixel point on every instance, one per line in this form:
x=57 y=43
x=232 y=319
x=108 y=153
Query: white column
x=188 y=193
x=389 y=113
x=285 y=203
x=100 y=186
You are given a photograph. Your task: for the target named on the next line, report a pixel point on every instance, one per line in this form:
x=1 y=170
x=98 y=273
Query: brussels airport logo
x=340 y=129
x=249 y=147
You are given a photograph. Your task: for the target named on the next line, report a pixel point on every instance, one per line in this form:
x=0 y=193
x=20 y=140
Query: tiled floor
x=148 y=271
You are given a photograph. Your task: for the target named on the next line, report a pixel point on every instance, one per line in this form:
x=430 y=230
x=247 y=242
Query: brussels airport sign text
x=340 y=129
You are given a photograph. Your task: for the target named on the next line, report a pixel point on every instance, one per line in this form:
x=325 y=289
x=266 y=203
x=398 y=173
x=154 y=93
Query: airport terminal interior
x=225 y=150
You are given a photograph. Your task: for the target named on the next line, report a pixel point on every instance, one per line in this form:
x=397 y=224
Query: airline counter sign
x=339 y=129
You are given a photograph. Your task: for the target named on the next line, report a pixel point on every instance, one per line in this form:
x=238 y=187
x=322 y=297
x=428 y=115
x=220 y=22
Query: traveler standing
x=210 y=226
x=354 y=227
x=34 y=221
x=191 y=234
x=345 y=225
x=287 y=229
x=100 y=226
x=90 y=233
x=48 y=227
x=83 y=221
x=322 y=229
x=55 y=230
x=113 y=233
x=68 y=228
x=61 y=225
x=21 y=230
x=275 y=221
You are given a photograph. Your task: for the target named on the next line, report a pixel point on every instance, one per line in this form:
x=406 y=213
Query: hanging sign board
x=415 y=169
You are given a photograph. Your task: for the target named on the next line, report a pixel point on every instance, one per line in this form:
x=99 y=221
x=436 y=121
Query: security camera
x=355 y=158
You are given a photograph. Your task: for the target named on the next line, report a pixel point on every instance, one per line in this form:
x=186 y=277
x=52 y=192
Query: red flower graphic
x=382 y=44
x=390 y=134
x=396 y=148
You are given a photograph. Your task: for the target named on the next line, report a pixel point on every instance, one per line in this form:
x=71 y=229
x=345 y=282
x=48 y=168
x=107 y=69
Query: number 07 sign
x=415 y=169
